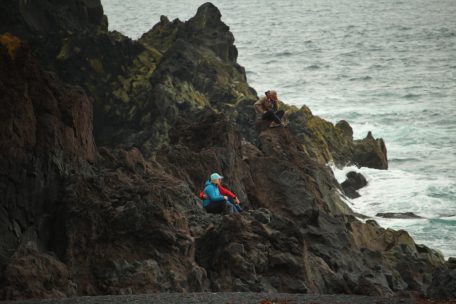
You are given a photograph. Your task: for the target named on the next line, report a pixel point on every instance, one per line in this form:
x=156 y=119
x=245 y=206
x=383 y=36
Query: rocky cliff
x=106 y=142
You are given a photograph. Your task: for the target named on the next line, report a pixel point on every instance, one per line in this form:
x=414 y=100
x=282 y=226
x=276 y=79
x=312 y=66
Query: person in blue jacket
x=214 y=201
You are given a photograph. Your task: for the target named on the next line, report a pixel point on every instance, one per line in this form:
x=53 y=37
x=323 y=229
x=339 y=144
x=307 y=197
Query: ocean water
x=388 y=66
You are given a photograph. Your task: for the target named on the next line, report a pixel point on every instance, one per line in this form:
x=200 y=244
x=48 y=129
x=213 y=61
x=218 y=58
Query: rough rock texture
x=168 y=110
x=444 y=281
x=39 y=112
x=140 y=88
x=325 y=142
x=46 y=132
x=370 y=152
x=354 y=181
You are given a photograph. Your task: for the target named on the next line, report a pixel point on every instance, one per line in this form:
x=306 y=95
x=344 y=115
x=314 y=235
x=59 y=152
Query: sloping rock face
x=124 y=217
x=46 y=132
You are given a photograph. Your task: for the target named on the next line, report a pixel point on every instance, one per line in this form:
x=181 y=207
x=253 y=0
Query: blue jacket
x=213 y=193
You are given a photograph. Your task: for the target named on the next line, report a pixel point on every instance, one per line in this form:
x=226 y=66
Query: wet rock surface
x=399 y=215
x=103 y=157
x=354 y=181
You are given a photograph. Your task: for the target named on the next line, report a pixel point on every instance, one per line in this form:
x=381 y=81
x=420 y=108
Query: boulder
x=33 y=274
x=354 y=181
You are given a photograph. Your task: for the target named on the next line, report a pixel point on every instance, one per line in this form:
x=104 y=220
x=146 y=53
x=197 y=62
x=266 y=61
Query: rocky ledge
x=106 y=142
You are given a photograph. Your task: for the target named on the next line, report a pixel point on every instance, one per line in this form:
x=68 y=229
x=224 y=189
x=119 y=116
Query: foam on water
x=396 y=190
x=384 y=66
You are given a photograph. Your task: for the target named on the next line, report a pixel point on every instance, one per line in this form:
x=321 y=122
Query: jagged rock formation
x=354 y=181
x=326 y=142
x=168 y=110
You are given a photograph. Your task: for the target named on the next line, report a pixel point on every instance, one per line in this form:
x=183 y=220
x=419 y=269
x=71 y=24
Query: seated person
x=268 y=106
x=216 y=198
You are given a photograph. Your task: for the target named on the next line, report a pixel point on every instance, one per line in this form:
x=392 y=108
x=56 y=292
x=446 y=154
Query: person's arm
x=259 y=105
x=201 y=195
x=212 y=194
x=226 y=192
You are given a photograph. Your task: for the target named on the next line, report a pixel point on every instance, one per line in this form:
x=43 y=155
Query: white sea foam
x=400 y=191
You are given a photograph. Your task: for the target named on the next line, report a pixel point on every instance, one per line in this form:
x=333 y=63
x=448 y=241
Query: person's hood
x=208 y=182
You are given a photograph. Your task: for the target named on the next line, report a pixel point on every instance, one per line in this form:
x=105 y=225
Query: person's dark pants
x=239 y=209
x=221 y=206
x=273 y=116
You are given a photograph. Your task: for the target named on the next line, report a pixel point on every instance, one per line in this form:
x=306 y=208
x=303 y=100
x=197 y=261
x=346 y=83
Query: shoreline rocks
x=399 y=215
x=354 y=181
x=100 y=184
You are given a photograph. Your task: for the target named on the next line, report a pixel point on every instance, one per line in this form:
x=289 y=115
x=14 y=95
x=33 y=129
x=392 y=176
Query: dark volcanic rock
x=370 y=152
x=345 y=127
x=326 y=142
x=399 y=215
x=444 y=281
x=139 y=88
x=354 y=181
x=46 y=133
x=47 y=17
x=351 y=192
x=169 y=110
x=205 y=29
x=33 y=274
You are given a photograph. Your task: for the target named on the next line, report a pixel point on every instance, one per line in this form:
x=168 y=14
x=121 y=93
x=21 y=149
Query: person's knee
x=230 y=207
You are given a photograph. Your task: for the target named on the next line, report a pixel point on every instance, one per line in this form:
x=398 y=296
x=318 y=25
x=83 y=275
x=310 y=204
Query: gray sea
x=388 y=66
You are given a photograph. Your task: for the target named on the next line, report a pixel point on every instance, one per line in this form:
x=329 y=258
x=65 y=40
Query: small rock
x=399 y=215
x=262 y=215
x=353 y=182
